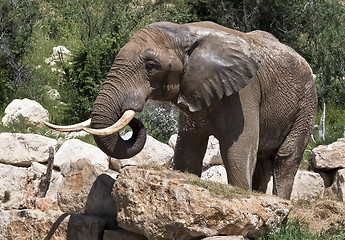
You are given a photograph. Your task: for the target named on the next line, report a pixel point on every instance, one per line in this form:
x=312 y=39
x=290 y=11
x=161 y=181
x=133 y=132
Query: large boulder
x=338 y=186
x=38 y=171
x=30 y=224
x=163 y=204
x=23 y=149
x=25 y=109
x=87 y=190
x=307 y=186
x=215 y=173
x=16 y=189
x=19 y=186
x=329 y=157
x=154 y=152
x=74 y=149
x=76 y=186
x=35 y=224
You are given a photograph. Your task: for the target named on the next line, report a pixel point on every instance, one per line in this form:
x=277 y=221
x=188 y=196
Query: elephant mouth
x=125 y=119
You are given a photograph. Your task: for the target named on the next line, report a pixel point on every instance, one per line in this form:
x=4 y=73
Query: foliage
x=17 y=19
x=295 y=230
x=160 y=119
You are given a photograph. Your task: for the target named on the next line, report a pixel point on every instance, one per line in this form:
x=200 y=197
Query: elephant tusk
x=120 y=124
x=69 y=128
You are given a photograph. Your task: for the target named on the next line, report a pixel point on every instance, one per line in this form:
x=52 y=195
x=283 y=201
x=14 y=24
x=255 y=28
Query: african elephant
x=256 y=95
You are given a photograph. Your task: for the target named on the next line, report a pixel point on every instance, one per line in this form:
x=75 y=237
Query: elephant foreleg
x=190 y=147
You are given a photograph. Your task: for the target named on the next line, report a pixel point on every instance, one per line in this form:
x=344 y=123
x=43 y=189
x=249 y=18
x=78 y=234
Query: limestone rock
x=31 y=111
x=121 y=235
x=39 y=170
x=154 y=153
x=75 y=149
x=17 y=190
x=225 y=238
x=30 y=224
x=162 y=204
x=23 y=149
x=215 y=173
x=76 y=186
x=307 y=185
x=86 y=190
x=338 y=186
x=329 y=157
x=212 y=155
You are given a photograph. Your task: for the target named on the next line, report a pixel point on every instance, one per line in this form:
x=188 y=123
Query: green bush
x=160 y=119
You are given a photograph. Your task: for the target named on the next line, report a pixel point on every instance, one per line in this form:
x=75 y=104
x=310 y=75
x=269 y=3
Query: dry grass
x=225 y=190
x=323 y=215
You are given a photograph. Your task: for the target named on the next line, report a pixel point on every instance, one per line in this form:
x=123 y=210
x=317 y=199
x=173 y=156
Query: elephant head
x=191 y=65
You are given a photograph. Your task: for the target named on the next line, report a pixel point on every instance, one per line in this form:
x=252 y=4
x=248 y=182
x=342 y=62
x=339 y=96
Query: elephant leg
x=262 y=174
x=288 y=159
x=239 y=155
x=190 y=147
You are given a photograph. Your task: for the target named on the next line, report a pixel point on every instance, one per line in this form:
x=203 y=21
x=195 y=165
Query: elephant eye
x=151 y=66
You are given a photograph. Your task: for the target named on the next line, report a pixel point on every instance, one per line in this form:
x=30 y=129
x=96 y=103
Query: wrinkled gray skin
x=254 y=94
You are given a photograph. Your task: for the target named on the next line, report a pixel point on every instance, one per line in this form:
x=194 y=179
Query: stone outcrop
x=215 y=173
x=330 y=162
x=75 y=149
x=23 y=149
x=338 y=185
x=150 y=203
x=329 y=157
x=25 y=110
x=307 y=186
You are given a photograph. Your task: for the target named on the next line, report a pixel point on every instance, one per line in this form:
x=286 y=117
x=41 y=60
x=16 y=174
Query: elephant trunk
x=108 y=108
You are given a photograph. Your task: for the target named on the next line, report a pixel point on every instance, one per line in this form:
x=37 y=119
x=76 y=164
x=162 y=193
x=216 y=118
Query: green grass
x=294 y=230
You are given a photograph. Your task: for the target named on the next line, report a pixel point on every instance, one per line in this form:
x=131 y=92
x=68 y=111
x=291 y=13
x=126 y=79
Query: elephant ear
x=217 y=64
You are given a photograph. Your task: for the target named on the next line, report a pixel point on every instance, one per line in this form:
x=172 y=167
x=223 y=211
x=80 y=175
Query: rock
x=215 y=173
x=60 y=50
x=225 y=238
x=74 y=191
x=45 y=204
x=75 y=149
x=163 y=204
x=329 y=157
x=52 y=93
x=154 y=152
x=28 y=110
x=30 y=224
x=338 y=186
x=121 y=235
x=23 y=149
x=212 y=155
x=172 y=141
x=307 y=185
x=39 y=170
x=17 y=190
x=35 y=224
